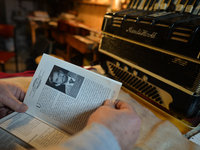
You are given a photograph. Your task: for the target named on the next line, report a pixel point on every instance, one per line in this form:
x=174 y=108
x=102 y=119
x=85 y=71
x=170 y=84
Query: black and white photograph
x=65 y=81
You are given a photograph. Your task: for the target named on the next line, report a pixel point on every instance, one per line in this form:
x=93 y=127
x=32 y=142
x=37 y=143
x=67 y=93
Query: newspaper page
x=12 y=142
x=196 y=138
x=65 y=95
x=21 y=131
x=61 y=96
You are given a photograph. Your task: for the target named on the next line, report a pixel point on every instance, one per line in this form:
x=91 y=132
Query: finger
x=109 y=103
x=123 y=105
x=19 y=93
x=15 y=104
x=116 y=101
x=22 y=94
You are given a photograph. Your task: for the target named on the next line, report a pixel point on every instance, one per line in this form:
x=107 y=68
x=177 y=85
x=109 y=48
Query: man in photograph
x=61 y=80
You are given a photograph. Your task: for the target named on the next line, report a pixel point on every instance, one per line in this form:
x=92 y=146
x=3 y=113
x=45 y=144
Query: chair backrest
x=6 y=31
x=42 y=45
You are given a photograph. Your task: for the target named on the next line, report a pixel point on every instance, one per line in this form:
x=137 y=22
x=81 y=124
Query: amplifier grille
x=135 y=82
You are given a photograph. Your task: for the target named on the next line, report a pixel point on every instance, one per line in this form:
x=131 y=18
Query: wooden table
x=80 y=43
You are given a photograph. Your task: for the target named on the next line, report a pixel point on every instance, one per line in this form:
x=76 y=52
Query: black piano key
x=197 y=3
x=146 y=5
x=151 y=4
x=130 y=4
x=124 y=76
x=183 y=1
x=157 y=5
x=174 y=2
x=171 y=6
x=157 y=1
x=161 y=102
x=191 y=2
x=141 y=5
x=196 y=8
x=166 y=1
x=133 y=3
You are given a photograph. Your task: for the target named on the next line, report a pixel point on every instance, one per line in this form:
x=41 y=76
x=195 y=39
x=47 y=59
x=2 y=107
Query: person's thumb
x=109 y=103
x=15 y=104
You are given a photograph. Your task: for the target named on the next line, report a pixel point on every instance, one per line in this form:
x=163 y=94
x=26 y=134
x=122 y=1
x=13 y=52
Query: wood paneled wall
x=92 y=15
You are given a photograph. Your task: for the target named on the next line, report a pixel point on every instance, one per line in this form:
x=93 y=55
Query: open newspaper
x=60 y=99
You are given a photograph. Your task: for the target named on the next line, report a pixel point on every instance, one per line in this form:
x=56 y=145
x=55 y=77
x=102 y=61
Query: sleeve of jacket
x=93 y=137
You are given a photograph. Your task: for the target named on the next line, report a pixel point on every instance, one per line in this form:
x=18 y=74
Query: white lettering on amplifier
x=142 y=32
x=179 y=61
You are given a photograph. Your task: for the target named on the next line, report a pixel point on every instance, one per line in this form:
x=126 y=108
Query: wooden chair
x=8 y=31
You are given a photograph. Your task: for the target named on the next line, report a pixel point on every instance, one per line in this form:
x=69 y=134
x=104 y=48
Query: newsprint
x=60 y=99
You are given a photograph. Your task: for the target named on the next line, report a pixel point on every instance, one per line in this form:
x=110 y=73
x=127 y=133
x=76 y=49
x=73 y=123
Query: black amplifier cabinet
x=155 y=55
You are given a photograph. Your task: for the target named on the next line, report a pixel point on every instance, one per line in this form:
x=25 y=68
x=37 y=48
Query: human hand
x=121 y=119
x=11 y=97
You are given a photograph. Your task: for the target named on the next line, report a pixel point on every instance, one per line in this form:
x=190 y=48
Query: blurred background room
x=67 y=29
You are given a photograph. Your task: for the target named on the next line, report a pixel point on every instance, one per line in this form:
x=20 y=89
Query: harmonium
x=153 y=48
